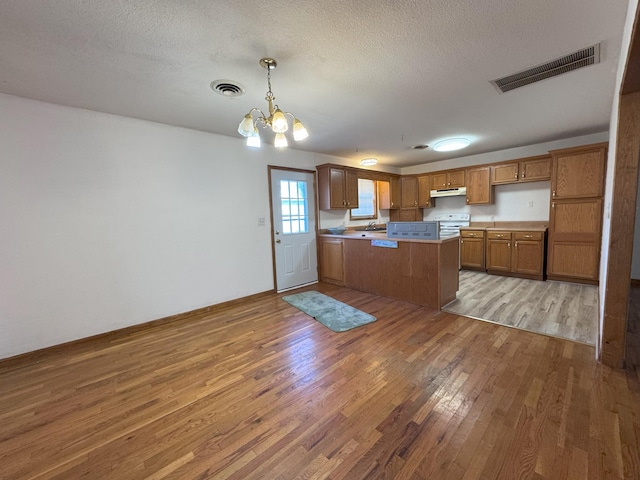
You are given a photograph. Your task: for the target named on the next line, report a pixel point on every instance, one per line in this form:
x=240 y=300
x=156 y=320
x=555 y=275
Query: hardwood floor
x=262 y=391
x=566 y=310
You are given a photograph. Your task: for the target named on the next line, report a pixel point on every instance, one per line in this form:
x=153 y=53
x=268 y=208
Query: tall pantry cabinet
x=575 y=219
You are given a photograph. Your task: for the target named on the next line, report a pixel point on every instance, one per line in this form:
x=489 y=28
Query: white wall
x=511 y=203
x=108 y=221
x=508 y=154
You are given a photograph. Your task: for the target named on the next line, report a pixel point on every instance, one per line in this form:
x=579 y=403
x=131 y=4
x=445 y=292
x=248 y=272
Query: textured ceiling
x=366 y=78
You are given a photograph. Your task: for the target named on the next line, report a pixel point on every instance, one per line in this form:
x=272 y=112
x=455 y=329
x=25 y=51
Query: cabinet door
x=528 y=257
x=535 y=170
x=578 y=174
x=507 y=173
x=455 y=179
x=424 y=192
x=395 y=192
x=472 y=252
x=479 y=190
x=409 y=190
x=499 y=251
x=574 y=238
x=336 y=188
x=438 y=181
x=332 y=265
x=351 y=189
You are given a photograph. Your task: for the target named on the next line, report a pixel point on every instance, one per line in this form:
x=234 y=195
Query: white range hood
x=449 y=192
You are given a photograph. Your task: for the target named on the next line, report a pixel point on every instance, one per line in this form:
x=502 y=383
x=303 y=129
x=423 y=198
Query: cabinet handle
x=509 y=244
x=516 y=244
x=516 y=177
x=427 y=204
x=527 y=236
x=554 y=193
x=461 y=241
x=415 y=202
x=467 y=200
x=553 y=205
x=472 y=234
x=522 y=174
x=449 y=183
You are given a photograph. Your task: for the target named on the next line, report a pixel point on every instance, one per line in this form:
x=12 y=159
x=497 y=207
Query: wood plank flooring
x=566 y=310
x=262 y=391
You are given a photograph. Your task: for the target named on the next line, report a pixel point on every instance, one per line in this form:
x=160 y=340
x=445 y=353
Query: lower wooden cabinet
x=517 y=253
x=472 y=249
x=332 y=260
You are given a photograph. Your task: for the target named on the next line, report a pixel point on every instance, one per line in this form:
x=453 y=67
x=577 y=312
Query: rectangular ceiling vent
x=573 y=61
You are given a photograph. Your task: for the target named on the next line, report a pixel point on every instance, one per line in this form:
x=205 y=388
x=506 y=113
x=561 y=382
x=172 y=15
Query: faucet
x=371 y=226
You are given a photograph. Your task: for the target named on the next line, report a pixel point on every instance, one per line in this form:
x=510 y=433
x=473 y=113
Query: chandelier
x=276 y=120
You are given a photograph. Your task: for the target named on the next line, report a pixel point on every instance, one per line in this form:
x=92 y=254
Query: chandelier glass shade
x=276 y=120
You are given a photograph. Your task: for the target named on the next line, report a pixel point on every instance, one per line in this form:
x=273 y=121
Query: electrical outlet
x=261 y=221
x=530 y=204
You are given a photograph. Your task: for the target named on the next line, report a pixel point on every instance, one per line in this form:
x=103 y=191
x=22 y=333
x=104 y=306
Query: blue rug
x=333 y=314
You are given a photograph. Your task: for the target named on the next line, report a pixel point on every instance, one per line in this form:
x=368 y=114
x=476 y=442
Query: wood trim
x=123 y=332
x=631 y=78
x=623 y=208
x=635 y=281
x=581 y=148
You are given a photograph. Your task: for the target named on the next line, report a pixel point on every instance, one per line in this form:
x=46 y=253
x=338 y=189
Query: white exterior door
x=294 y=228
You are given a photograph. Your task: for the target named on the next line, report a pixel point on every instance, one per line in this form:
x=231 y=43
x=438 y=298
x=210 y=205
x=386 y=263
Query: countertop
x=372 y=235
x=512 y=227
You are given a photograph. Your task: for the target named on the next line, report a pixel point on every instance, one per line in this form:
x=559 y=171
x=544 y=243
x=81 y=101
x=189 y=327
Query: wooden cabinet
x=531 y=169
x=472 y=249
x=447 y=179
x=499 y=251
x=332 y=260
x=578 y=173
x=528 y=253
x=575 y=218
x=516 y=253
x=337 y=187
x=406 y=215
x=389 y=193
x=479 y=189
x=409 y=192
x=424 y=192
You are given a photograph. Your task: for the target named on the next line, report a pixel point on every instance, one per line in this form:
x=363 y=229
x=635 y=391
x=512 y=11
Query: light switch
x=261 y=221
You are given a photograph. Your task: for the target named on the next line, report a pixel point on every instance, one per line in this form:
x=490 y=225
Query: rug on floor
x=333 y=314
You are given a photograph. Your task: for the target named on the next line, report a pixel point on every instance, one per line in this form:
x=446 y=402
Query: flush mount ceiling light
x=367 y=162
x=276 y=120
x=451 y=144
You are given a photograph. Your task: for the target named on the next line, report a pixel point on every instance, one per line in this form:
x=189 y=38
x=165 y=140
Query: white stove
x=450 y=223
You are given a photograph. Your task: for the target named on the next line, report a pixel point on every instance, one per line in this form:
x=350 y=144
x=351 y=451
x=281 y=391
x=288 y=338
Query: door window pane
x=295 y=211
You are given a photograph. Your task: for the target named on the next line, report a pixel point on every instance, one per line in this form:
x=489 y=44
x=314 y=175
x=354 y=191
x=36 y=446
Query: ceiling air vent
x=227 y=88
x=573 y=61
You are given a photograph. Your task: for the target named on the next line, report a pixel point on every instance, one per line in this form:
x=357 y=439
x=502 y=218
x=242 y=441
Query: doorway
x=292 y=199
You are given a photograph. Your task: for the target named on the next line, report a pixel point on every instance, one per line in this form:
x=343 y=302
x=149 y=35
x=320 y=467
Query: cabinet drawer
x=472 y=233
x=499 y=235
x=528 y=235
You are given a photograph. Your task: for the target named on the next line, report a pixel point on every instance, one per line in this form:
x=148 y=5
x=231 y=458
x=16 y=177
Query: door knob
x=278 y=241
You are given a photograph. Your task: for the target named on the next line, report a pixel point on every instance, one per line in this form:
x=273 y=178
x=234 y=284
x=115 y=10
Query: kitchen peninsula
x=424 y=272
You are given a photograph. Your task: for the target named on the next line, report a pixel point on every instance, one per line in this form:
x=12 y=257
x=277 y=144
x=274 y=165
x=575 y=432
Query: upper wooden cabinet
x=409 y=192
x=424 y=192
x=578 y=172
x=531 y=169
x=389 y=193
x=479 y=189
x=337 y=187
x=448 y=179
